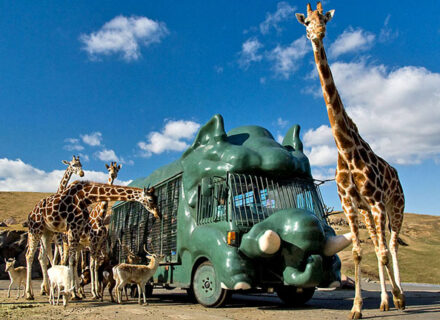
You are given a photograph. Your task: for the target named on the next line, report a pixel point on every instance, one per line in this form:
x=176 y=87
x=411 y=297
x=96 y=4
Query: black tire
x=207 y=288
x=293 y=296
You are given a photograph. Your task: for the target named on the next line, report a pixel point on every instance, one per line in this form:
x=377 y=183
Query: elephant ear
x=213 y=131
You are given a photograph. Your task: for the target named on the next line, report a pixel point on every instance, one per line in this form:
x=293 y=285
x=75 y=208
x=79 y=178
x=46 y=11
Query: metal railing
x=134 y=226
x=254 y=198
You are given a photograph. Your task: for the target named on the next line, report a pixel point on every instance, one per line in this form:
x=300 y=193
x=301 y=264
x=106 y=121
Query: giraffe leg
x=379 y=215
x=45 y=253
x=396 y=220
x=73 y=240
x=351 y=214
x=93 y=274
x=371 y=227
x=33 y=240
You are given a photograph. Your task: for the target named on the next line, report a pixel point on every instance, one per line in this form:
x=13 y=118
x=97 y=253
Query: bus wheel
x=207 y=288
x=293 y=296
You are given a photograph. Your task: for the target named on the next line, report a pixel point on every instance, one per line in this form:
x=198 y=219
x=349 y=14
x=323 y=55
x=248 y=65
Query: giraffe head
x=149 y=200
x=315 y=21
x=113 y=169
x=75 y=166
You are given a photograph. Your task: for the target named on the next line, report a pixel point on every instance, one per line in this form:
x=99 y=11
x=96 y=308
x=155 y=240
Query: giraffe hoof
x=30 y=297
x=399 y=303
x=355 y=315
x=384 y=306
x=76 y=298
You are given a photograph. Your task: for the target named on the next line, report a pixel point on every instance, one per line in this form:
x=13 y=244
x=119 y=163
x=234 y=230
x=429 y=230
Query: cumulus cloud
x=284 y=11
x=107 y=155
x=94 y=139
x=286 y=59
x=72 y=144
x=249 y=52
x=124 y=35
x=397 y=112
x=352 y=40
x=15 y=175
x=173 y=137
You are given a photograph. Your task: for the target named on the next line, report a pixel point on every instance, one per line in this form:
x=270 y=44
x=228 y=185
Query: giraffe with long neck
x=366 y=183
x=98 y=232
x=67 y=212
x=73 y=167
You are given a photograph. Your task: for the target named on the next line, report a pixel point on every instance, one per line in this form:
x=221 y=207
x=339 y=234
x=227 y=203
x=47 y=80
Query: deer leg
x=9 y=288
x=33 y=240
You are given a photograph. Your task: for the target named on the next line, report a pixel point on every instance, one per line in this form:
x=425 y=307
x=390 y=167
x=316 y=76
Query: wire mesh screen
x=212 y=205
x=134 y=226
x=255 y=198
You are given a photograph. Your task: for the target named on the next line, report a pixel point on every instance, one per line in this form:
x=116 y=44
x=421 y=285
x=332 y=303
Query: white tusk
x=336 y=244
x=269 y=242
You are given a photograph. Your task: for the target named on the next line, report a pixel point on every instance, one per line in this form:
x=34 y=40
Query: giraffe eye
x=307 y=23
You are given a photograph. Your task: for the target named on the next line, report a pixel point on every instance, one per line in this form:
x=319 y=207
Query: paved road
x=423 y=302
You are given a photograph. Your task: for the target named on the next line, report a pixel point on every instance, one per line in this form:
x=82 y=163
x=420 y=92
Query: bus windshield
x=254 y=198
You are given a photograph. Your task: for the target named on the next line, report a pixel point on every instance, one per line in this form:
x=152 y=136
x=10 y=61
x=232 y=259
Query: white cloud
x=72 y=145
x=249 y=52
x=397 y=112
x=107 y=155
x=322 y=155
x=286 y=58
x=321 y=135
x=282 y=123
x=386 y=33
x=352 y=40
x=15 y=175
x=94 y=139
x=171 y=138
x=124 y=35
x=279 y=138
x=284 y=12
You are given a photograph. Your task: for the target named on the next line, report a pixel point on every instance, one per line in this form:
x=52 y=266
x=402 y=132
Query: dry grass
x=18 y=205
x=418 y=262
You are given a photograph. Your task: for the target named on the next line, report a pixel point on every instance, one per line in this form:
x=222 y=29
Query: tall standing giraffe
x=73 y=167
x=98 y=232
x=366 y=183
x=67 y=212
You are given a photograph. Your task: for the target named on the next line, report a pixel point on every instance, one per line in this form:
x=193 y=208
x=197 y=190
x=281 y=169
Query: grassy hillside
x=18 y=205
x=418 y=262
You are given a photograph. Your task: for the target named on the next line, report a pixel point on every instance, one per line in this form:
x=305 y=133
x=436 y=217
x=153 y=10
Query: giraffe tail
x=399 y=239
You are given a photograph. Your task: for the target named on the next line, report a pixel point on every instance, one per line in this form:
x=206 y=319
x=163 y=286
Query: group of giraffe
x=366 y=183
x=65 y=214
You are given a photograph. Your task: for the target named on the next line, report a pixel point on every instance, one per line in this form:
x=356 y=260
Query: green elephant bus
x=240 y=212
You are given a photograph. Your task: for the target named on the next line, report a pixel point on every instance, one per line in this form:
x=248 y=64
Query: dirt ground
x=423 y=302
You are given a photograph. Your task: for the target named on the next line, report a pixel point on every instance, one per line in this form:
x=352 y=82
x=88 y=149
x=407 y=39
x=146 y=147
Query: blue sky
x=133 y=81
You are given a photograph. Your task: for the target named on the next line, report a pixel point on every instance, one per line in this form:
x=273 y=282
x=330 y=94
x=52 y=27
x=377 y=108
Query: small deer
x=140 y=274
x=17 y=275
